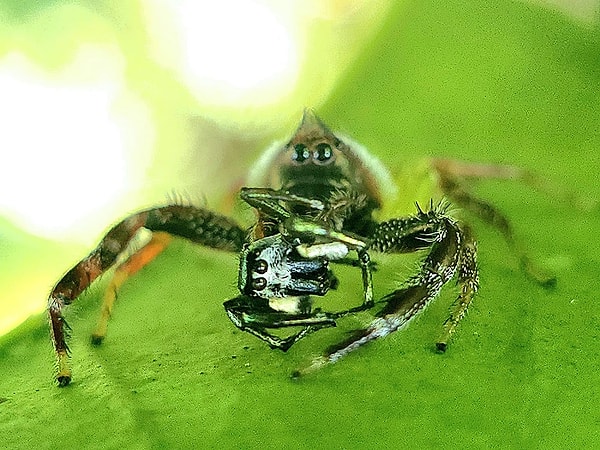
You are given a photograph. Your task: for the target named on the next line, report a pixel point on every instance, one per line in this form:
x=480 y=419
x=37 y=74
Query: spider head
x=313 y=145
x=315 y=163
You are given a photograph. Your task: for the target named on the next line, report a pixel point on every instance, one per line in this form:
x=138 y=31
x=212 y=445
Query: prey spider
x=315 y=197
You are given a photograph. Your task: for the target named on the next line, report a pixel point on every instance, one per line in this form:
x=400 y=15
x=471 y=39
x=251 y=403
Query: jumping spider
x=315 y=206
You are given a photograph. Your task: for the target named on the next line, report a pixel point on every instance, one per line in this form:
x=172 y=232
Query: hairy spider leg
x=79 y=278
x=431 y=230
x=468 y=281
x=159 y=241
x=451 y=178
x=195 y=224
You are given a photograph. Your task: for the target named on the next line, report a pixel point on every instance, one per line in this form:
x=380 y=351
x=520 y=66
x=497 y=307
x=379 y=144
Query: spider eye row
x=259 y=283
x=322 y=153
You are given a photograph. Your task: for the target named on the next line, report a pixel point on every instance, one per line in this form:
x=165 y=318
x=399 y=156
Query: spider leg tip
x=63 y=380
x=549 y=283
x=96 y=339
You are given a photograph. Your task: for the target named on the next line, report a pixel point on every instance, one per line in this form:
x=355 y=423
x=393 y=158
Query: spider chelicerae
x=316 y=197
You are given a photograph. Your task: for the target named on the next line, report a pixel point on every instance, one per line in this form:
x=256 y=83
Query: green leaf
x=496 y=81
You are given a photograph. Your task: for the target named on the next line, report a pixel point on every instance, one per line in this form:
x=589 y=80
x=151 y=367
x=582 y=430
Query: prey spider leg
x=255 y=316
x=267 y=201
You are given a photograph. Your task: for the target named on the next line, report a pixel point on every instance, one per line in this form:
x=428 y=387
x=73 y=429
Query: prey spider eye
x=261 y=266
x=301 y=153
x=258 y=284
x=322 y=153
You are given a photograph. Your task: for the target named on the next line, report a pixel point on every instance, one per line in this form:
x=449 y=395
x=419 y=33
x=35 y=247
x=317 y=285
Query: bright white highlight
x=227 y=52
x=62 y=150
x=330 y=250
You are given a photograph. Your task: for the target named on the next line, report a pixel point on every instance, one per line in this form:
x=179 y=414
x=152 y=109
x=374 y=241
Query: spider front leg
x=79 y=278
x=450 y=249
x=468 y=281
x=198 y=225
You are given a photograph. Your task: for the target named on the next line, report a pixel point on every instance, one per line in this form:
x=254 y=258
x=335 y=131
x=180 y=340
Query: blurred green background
x=500 y=81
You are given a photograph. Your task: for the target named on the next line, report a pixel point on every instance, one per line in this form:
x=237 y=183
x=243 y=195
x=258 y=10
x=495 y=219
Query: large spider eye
x=322 y=153
x=261 y=266
x=258 y=284
x=301 y=153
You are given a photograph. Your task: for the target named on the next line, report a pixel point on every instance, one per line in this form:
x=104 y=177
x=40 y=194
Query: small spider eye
x=322 y=153
x=261 y=266
x=301 y=153
x=258 y=284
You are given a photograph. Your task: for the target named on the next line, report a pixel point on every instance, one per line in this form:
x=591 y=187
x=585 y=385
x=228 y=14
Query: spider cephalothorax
x=315 y=198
